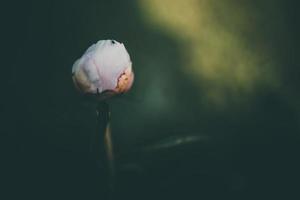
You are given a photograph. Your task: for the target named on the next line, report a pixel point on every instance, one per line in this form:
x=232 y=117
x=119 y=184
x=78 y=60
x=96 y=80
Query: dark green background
x=246 y=151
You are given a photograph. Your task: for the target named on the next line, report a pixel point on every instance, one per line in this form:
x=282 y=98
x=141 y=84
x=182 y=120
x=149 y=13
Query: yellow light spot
x=215 y=45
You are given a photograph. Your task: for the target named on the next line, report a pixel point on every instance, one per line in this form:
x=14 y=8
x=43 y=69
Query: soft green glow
x=215 y=45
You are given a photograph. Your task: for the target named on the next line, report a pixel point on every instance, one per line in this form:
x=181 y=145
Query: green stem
x=105 y=139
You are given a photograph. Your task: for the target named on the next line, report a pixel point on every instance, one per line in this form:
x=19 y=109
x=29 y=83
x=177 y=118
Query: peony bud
x=105 y=68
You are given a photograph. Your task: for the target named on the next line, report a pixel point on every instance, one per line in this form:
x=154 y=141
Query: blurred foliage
x=216 y=45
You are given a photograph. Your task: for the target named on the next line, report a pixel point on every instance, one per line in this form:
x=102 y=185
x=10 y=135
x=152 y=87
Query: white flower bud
x=105 y=66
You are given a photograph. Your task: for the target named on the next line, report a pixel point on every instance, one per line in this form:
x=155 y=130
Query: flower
x=104 y=68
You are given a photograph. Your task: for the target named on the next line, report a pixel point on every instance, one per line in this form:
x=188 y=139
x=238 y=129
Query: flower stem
x=103 y=115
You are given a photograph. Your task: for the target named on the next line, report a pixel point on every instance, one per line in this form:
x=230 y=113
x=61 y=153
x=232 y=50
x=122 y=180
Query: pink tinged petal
x=130 y=80
x=125 y=81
